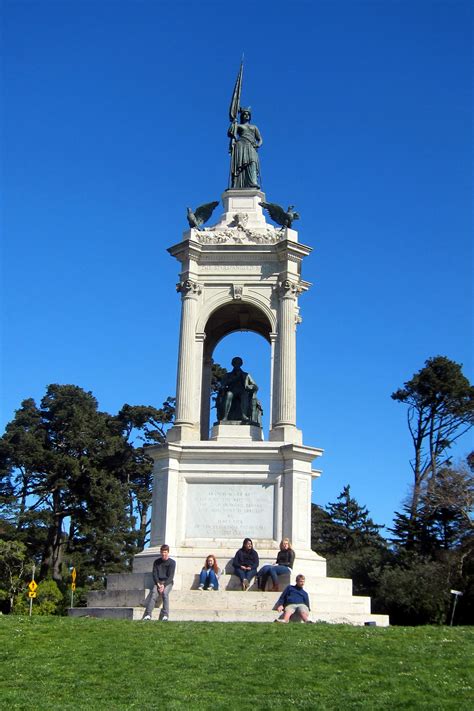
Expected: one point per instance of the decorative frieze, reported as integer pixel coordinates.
(238, 233)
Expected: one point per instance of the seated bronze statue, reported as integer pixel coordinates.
(236, 399)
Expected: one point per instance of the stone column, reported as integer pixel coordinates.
(185, 419)
(273, 392)
(206, 396)
(284, 391)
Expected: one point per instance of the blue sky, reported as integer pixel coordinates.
(115, 119)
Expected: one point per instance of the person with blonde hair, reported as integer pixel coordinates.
(210, 574)
(283, 566)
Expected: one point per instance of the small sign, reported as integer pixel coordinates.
(31, 594)
(73, 586)
(73, 575)
(32, 586)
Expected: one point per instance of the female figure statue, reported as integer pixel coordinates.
(246, 139)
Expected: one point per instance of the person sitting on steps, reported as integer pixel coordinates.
(283, 566)
(245, 563)
(163, 576)
(293, 599)
(210, 574)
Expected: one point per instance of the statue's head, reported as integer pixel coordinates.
(237, 362)
(245, 113)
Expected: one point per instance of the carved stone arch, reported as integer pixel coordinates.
(247, 315)
(228, 316)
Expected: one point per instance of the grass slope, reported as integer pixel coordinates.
(61, 663)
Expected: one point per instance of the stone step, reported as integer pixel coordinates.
(224, 600)
(314, 585)
(199, 615)
(190, 560)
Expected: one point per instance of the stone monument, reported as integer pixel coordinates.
(216, 483)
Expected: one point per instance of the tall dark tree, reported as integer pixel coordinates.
(349, 524)
(438, 542)
(440, 403)
(57, 461)
(345, 534)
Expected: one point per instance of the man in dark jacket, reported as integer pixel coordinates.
(163, 576)
(293, 599)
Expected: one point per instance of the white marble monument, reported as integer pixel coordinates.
(215, 486)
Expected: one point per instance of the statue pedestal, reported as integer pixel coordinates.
(211, 495)
(236, 432)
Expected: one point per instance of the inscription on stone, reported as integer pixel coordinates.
(230, 268)
(229, 510)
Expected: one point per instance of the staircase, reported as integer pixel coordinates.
(331, 601)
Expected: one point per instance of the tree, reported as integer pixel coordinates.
(415, 591)
(438, 542)
(350, 540)
(345, 525)
(13, 570)
(146, 425)
(58, 464)
(440, 403)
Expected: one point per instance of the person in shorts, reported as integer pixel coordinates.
(293, 599)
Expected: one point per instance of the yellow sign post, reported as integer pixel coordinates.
(32, 587)
(73, 585)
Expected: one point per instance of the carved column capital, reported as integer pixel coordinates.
(187, 287)
(287, 288)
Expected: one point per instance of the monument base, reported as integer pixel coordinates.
(236, 432)
(230, 488)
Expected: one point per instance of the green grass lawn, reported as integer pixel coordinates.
(84, 663)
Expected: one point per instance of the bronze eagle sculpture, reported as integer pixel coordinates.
(201, 214)
(278, 214)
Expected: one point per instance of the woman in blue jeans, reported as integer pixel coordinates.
(283, 566)
(245, 563)
(210, 574)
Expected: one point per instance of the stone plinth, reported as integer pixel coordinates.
(216, 493)
(236, 432)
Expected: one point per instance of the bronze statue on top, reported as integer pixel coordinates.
(244, 164)
(236, 399)
(245, 140)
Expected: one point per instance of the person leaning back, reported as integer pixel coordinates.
(293, 599)
(163, 576)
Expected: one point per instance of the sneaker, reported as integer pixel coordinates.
(211, 587)
(164, 618)
(201, 587)
(146, 617)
